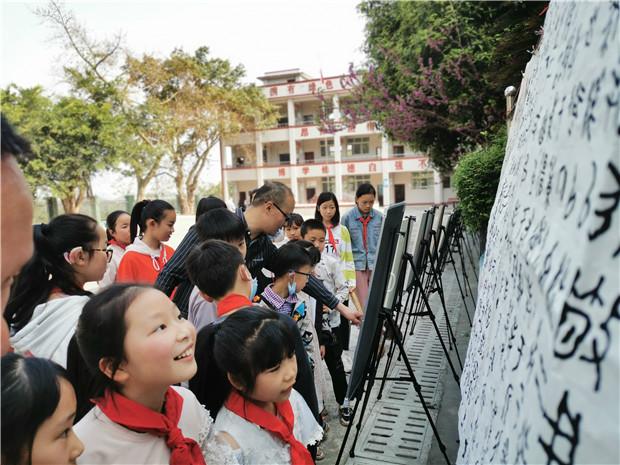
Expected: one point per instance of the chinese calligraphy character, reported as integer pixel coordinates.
(399, 165)
(325, 169)
(291, 89)
(370, 126)
(351, 168)
(351, 127)
(305, 170)
(372, 167)
(312, 87)
(281, 172)
(328, 84)
(273, 91)
(423, 163)
(304, 131)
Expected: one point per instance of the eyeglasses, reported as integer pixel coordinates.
(287, 216)
(108, 253)
(301, 273)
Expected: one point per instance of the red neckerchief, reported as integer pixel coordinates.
(281, 426)
(232, 302)
(119, 244)
(330, 237)
(137, 417)
(365, 222)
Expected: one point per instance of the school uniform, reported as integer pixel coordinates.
(141, 264)
(107, 441)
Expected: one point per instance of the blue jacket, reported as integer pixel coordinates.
(363, 260)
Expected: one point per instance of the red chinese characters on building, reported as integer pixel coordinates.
(281, 172)
(304, 132)
(372, 167)
(329, 84)
(291, 89)
(351, 168)
(273, 91)
(325, 169)
(398, 165)
(351, 127)
(305, 170)
(312, 87)
(423, 163)
(370, 126)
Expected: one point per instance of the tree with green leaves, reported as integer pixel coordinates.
(72, 139)
(437, 70)
(194, 100)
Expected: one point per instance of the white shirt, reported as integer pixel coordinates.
(106, 442)
(258, 446)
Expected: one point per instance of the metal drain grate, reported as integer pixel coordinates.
(396, 430)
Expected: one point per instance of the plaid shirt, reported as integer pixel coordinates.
(280, 304)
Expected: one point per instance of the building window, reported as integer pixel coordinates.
(264, 154)
(445, 180)
(308, 119)
(350, 185)
(283, 122)
(328, 185)
(285, 158)
(357, 146)
(309, 157)
(399, 150)
(327, 148)
(422, 180)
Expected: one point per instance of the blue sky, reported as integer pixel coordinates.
(262, 35)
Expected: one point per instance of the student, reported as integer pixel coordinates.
(216, 224)
(292, 226)
(338, 244)
(38, 406)
(263, 418)
(364, 224)
(329, 271)
(147, 255)
(119, 237)
(219, 270)
(48, 294)
(139, 416)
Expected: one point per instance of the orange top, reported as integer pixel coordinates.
(137, 267)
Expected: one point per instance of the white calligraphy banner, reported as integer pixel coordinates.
(541, 381)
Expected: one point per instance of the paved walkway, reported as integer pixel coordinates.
(395, 429)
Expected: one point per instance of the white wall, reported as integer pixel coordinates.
(541, 379)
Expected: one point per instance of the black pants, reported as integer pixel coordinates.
(344, 330)
(333, 360)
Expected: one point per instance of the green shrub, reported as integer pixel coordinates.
(476, 179)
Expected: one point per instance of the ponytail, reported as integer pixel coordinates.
(47, 268)
(146, 210)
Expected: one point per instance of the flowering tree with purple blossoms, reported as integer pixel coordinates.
(437, 70)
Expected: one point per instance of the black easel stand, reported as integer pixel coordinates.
(459, 248)
(449, 258)
(385, 316)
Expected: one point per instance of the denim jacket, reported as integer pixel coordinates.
(363, 260)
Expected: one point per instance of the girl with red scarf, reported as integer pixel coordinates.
(137, 345)
(256, 350)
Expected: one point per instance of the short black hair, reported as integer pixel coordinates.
(206, 204)
(212, 266)
(221, 224)
(293, 255)
(312, 224)
(326, 197)
(293, 219)
(12, 143)
(363, 189)
(30, 395)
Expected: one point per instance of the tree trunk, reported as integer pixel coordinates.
(73, 202)
(179, 182)
(142, 184)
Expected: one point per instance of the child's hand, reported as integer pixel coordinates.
(326, 309)
(322, 352)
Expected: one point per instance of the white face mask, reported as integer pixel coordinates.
(254, 288)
